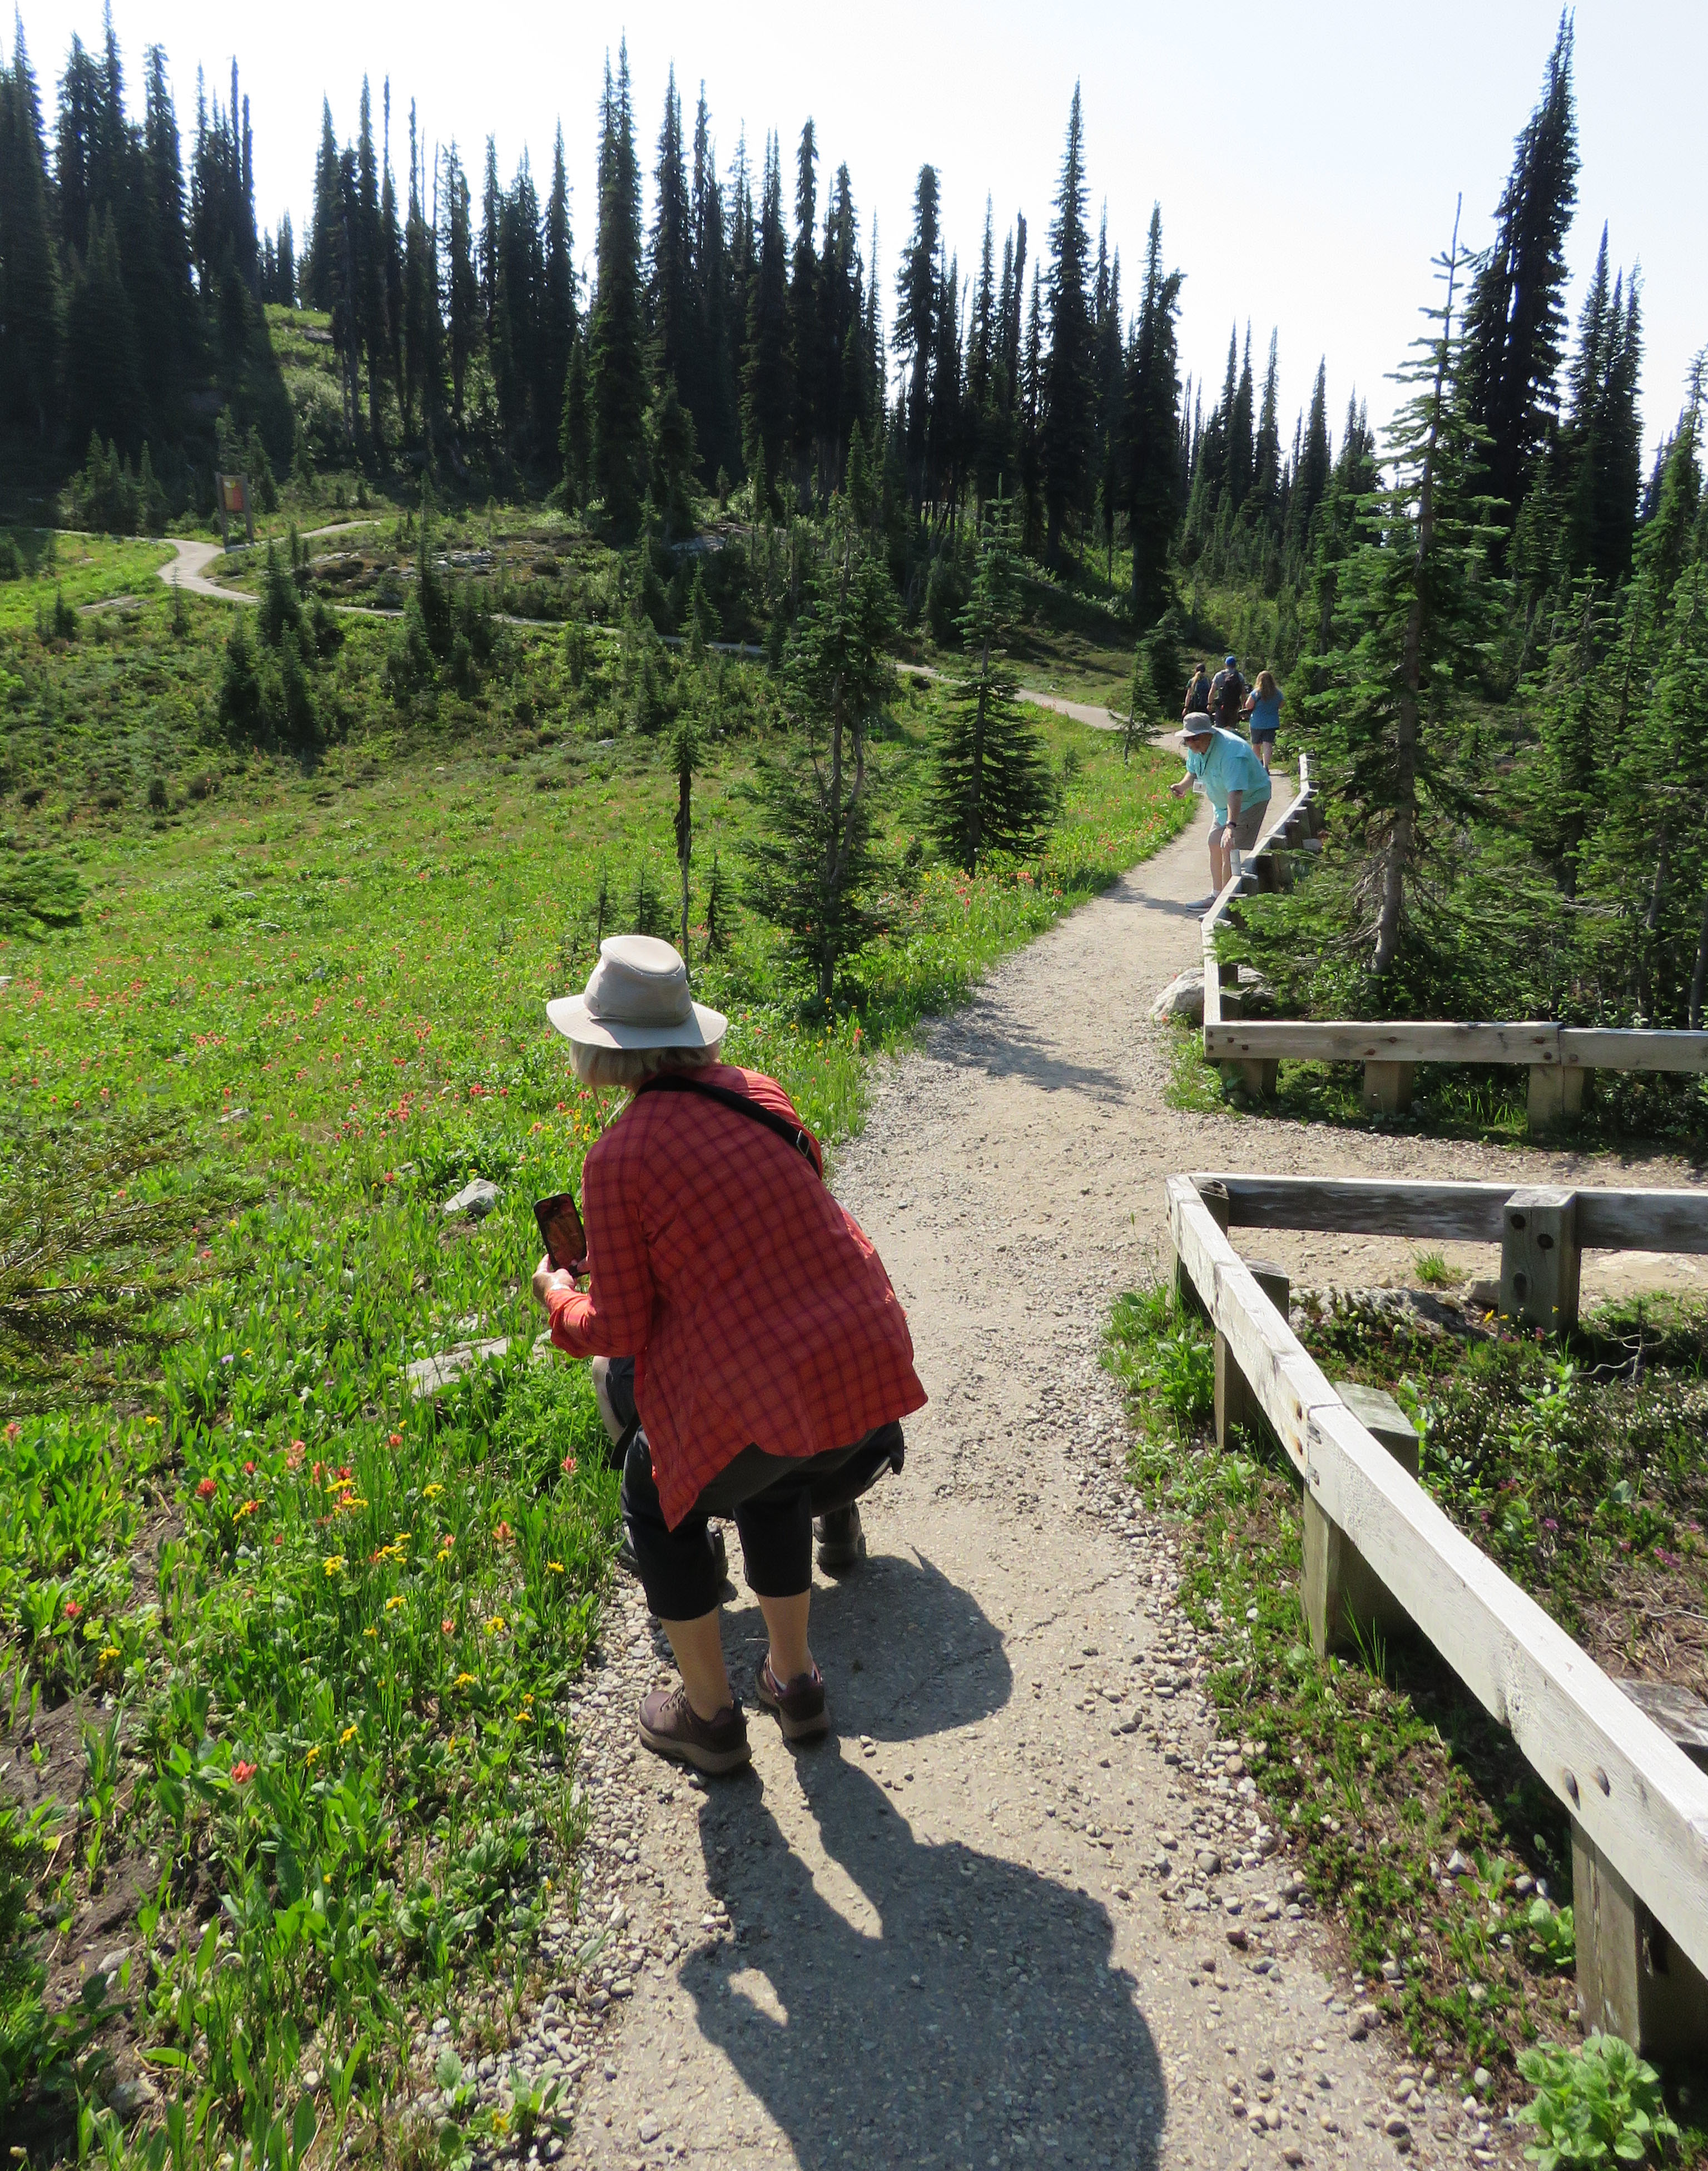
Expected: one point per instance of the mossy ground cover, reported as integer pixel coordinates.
(1378, 1767)
(284, 1646)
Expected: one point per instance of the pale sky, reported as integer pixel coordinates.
(1307, 157)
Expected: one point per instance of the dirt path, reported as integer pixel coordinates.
(939, 1939)
(188, 568)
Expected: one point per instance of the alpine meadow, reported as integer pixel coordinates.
(392, 609)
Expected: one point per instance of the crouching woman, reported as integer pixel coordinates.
(771, 1360)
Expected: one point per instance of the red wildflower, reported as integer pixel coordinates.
(568, 1466)
(503, 1534)
(243, 1773)
(72, 1610)
(447, 1627)
(394, 1439)
(248, 1469)
(206, 1489)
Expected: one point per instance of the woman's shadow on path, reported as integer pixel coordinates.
(920, 2002)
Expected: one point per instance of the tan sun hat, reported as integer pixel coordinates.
(637, 996)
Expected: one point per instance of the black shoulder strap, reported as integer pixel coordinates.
(677, 1081)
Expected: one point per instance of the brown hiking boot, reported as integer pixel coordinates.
(799, 1704)
(842, 1541)
(669, 1726)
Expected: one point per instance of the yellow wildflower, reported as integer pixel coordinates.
(432, 1492)
(494, 1627)
(333, 1562)
(464, 1682)
(393, 1604)
(348, 1734)
(371, 1632)
(111, 1652)
(556, 1566)
(313, 1754)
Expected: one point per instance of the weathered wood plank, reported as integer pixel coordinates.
(1591, 1048)
(1642, 1221)
(1472, 1213)
(1636, 1794)
(1347, 1206)
(1348, 1040)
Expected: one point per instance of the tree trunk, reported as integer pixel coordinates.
(1699, 979)
(1651, 921)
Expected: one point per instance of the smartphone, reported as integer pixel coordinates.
(561, 1231)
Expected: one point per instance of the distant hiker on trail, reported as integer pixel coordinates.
(1198, 701)
(1228, 690)
(771, 1362)
(1263, 707)
(1235, 783)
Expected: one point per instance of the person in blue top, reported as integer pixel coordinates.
(1263, 708)
(1235, 783)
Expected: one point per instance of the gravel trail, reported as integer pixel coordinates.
(942, 1937)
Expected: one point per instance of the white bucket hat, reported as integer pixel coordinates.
(637, 996)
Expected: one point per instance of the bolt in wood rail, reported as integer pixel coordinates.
(1560, 1058)
(1633, 1795)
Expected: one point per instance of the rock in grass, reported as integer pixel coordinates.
(1183, 998)
(428, 1374)
(476, 1199)
(129, 2099)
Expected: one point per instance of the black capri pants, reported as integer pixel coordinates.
(773, 1499)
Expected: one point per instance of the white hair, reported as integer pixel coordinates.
(605, 1068)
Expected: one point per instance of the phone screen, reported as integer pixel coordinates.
(561, 1231)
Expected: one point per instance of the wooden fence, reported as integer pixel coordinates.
(1560, 1058)
(1638, 1804)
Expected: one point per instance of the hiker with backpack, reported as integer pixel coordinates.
(1263, 713)
(1198, 701)
(1228, 692)
(772, 1363)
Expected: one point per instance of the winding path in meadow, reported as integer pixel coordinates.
(937, 1939)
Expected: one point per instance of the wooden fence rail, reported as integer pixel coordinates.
(1639, 1806)
(1560, 1058)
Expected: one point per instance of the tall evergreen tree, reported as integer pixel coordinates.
(766, 404)
(813, 871)
(462, 281)
(1152, 491)
(558, 309)
(1067, 418)
(1266, 457)
(1311, 473)
(616, 371)
(991, 788)
(673, 329)
(31, 307)
(1600, 446)
(709, 392)
(1515, 320)
(805, 328)
(917, 301)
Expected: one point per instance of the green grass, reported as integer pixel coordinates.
(84, 569)
(285, 1649)
(1377, 1766)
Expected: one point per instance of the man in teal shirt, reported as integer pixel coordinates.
(1235, 783)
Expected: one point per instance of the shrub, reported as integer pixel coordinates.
(157, 794)
(1593, 2102)
(11, 563)
(239, 703)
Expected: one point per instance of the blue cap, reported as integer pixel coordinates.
(1231, 661)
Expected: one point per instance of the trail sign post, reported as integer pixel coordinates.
(233, 491)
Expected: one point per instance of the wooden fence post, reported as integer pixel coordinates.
(1342, 1594)
(1632, 1980)
(1546, 1108)
(1540, 1258)
(1235, 1403)
(1388, 1088)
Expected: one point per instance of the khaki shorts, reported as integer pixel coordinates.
(1244, 833)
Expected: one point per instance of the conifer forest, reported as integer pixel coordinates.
(396, 603)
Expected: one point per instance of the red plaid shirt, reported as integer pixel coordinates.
(755, 1307)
